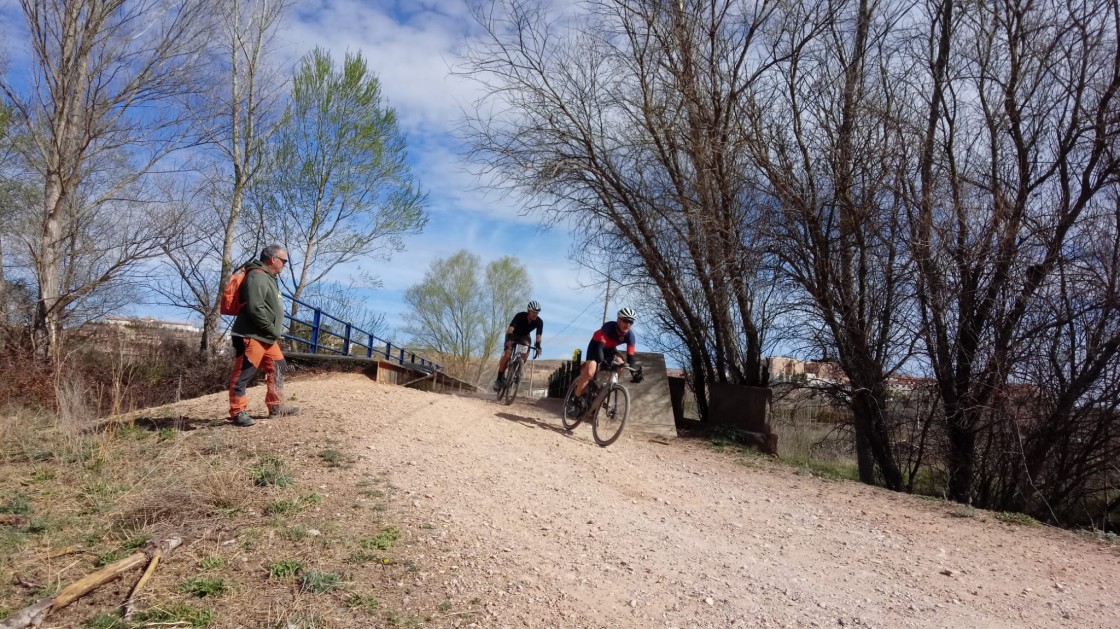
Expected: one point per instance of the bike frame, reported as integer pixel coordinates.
(614, 369)
(519, 354)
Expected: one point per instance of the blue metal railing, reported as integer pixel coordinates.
(350, 340)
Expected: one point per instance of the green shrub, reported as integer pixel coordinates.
(1021, 519)
(383, 540)
(284, 569)
(107, 621)
(366, 603)
(176, 615)
(294, 533)
(109, 557)
(271, 471)
(18, 504)
(282, 507)
(213, 562)
(334, 458)
(203, 587)
(319, 582)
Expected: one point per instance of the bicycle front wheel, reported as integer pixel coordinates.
(611, 418)
(513, 379)
(573, 410)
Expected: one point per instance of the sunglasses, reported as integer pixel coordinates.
(282, 260)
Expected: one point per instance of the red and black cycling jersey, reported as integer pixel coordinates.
(606, 340)
(523, 327)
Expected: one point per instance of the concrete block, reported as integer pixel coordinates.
(651, 406)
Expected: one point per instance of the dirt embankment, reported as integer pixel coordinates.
(549, 530)
(453, 511)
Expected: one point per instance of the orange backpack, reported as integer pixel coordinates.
(231, 294)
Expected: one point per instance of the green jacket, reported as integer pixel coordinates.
(262, 315)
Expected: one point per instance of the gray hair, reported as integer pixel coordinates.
(270, 252)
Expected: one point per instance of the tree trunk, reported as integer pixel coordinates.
(873, 444)
(962, 445)
(5, 313)
(47, 317)
(699, 385)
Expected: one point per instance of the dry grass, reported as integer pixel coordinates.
(94, 492)
(198, 495)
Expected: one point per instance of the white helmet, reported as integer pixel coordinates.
(627, 314)
(535, 305)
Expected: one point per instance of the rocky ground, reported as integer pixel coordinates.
(548, 530)
(438, 510)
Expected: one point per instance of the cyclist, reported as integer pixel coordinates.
(520, 330)
(604, 347)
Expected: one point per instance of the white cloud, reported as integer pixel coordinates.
(411, 58)
(412, 46)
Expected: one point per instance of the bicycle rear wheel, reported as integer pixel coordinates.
(513, 379)
(573, 410)
(611, 418)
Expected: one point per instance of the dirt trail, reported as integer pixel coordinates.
(550, 530)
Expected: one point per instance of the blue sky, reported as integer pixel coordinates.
(412, 46)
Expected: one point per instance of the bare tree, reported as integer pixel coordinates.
(9, 193)
(827, 145)
(623, 118)
(1020, 138)
(104, 108)
(1054, 435)
(243, 112)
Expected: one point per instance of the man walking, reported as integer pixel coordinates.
(256, 337)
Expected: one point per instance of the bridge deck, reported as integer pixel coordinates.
(383, 371)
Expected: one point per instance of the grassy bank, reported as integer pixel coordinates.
(260, 535)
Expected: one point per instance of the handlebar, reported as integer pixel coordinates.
(635, 372)
(536, 349)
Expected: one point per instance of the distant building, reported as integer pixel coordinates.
(139, 336)
(149, 322)
(784, 369)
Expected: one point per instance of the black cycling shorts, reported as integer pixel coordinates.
(599, 353)
(525, 339)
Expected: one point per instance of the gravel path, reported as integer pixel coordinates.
(549, 530)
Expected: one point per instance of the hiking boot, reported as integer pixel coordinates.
(499, 383)
(243, 419)
(283, 411)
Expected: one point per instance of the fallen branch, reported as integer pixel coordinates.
(34, 615)
(31, 585)
(8, 519)
(169, 545)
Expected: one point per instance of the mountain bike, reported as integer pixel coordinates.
(514, 369)
(606, 406)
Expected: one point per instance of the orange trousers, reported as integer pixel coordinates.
(253, 356)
